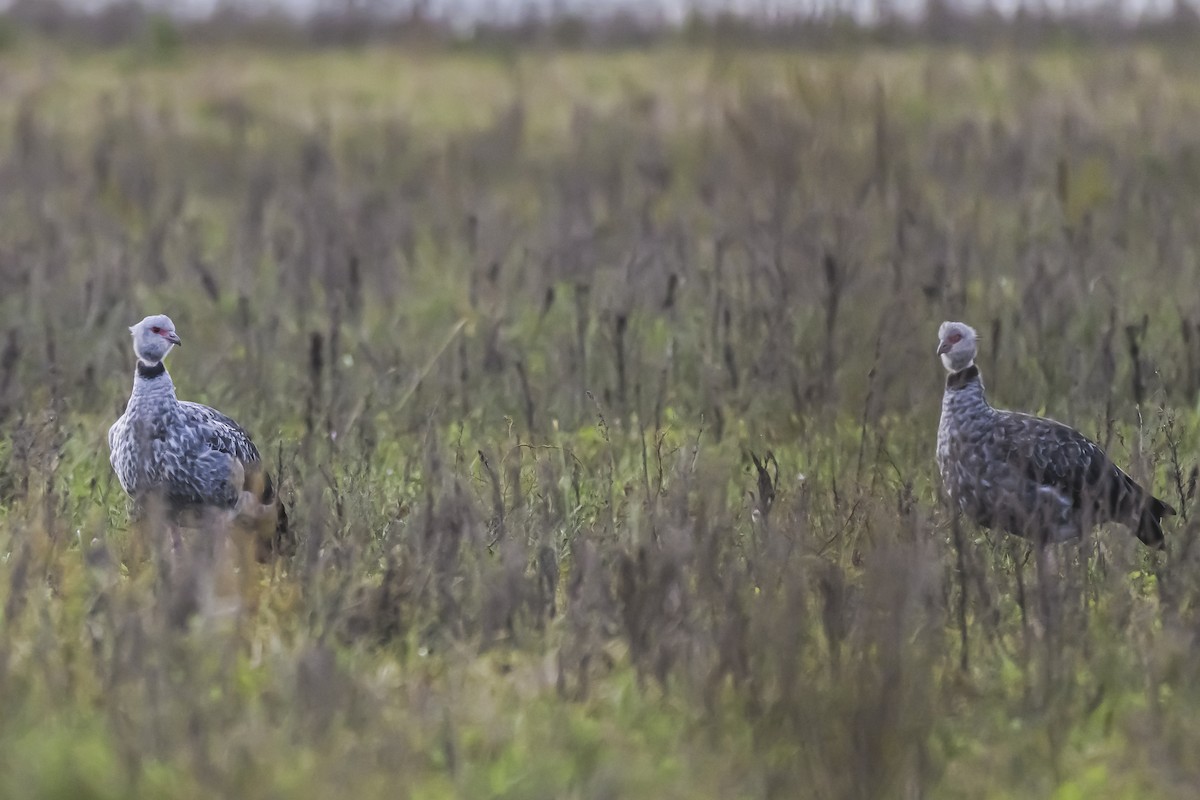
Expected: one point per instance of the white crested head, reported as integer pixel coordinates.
(153, 338)
(956, 345)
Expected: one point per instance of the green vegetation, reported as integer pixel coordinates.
(602, 392)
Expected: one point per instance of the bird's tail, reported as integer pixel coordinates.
(1149, 525)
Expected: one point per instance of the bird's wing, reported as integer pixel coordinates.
(1060, 457)
(219, 432)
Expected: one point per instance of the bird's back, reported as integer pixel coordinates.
(1058, 457)
(218, 432)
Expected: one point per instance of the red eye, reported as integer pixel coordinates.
(954, 338)
(156, 329)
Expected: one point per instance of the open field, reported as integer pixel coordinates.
(514, 331)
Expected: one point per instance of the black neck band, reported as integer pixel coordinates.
(150, 370)
(958, 380)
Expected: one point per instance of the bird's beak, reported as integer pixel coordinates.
(944, 348)
(173, 338)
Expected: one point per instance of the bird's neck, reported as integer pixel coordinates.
(963, 379)
(150, 371)
(964, 393)
(152, 383)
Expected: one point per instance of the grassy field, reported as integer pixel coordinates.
(602, 392)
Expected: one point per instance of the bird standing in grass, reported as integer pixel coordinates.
(188, 456)
(1028, 475)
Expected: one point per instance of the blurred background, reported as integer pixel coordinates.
(608, 22)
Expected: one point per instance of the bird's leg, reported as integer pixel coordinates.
(174, 554)
(220, 591)
(1047, 573)
(237, 568)
(1043, 579)
(1020, 563)
(956, 526)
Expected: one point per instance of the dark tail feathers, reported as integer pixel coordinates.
(1149, 527)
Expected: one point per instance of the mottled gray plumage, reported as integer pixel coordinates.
(192, 455)
(1028, 475)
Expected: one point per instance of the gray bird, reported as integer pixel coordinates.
(1028, 475)
(190, 455)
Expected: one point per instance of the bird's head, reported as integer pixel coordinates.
(153, 338)
(956, 345)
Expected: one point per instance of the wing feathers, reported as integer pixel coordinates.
(1053, 454)
(221, 433)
